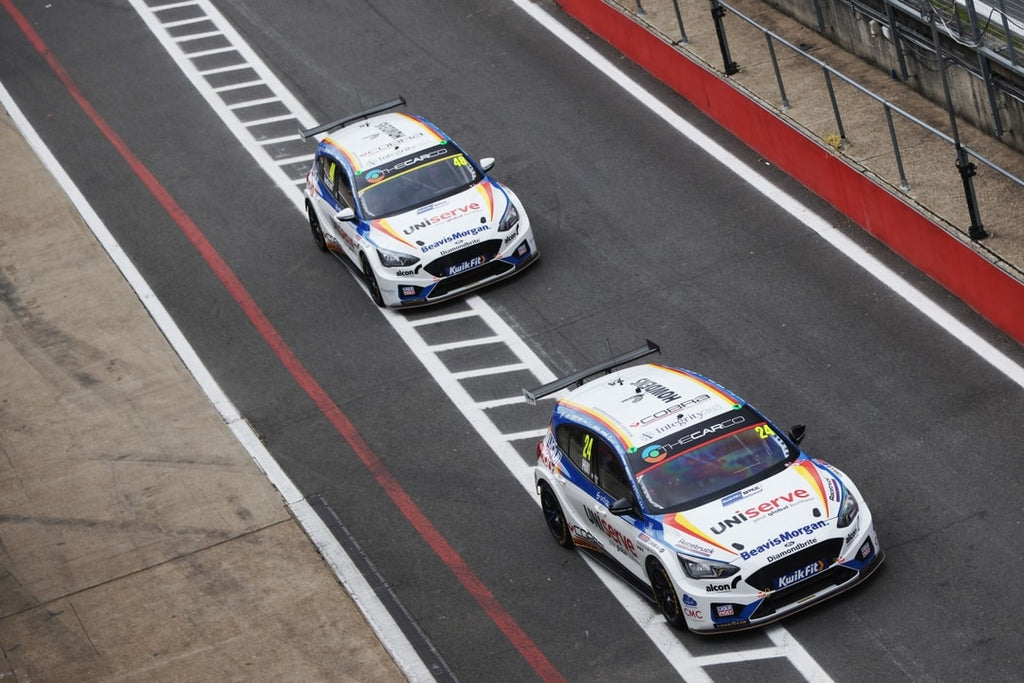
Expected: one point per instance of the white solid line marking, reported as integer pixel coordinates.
(493, 370)
(173, 5)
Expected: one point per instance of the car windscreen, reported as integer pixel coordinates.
(413, 181)
(708, 460)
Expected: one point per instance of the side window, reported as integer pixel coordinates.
(611, 474)
(333, 177)
(596, 459)
(342, 191)
(577, 443)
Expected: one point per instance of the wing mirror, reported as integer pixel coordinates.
(346, 214)
(797, 433)
(486, 164)
(622, 506)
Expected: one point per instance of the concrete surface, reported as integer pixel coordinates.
(138, 539)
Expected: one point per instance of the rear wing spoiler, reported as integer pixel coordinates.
(310, 132)
(578, 378)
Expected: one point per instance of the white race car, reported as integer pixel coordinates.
(700, 502)
(418, 218)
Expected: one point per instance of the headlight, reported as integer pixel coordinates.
(848, 511)
(707, 569)
(510, 219)
(393, 259)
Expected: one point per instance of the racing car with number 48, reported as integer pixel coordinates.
(418, 218)
(696, 498)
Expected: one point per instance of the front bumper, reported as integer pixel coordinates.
(721, 608)
(408, 289)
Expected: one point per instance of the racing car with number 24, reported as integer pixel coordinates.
(696, 498)
(418, 218)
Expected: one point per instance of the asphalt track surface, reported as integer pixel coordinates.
(643, 235)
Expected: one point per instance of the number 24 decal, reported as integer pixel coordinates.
(764, 431)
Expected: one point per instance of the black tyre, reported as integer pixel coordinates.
(314, 225)
(371, 282)
(665, 595)
(554, 517)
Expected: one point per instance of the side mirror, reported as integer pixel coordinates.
(486, 164)
(797, 433)
(346, 214)
(622, 506)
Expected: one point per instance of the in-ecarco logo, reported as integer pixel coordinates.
(766, 507)
(799, 575)
(443, 216)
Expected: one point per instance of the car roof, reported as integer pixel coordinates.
(380, 139)
(639, 404)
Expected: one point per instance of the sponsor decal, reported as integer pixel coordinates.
(687, 544)
(454, 237)
(768, 507)
(656, 390)
(799, 575)
(717, 587)
(514, 235)
(791, 550)
(442, 217)
(740, 495)
(544, 453)
(739, 623)
(682, 419)
(466, 265)
(832, 489)
(681, 523)
(584, 539)
(654, 453)
(693, 613)
(670, 410)
(430, 154)
(710, 429)
(725, 611)
(430, 207)
(785, 539)
(404, 272)
(853, 534)
(374, 176)
(621, 542)
(687, 600)
(389, 129)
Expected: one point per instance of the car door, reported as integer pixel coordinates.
(340, 235)
(605, 481)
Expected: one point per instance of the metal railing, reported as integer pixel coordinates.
(966, 158)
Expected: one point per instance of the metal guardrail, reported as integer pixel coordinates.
(967, 158)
